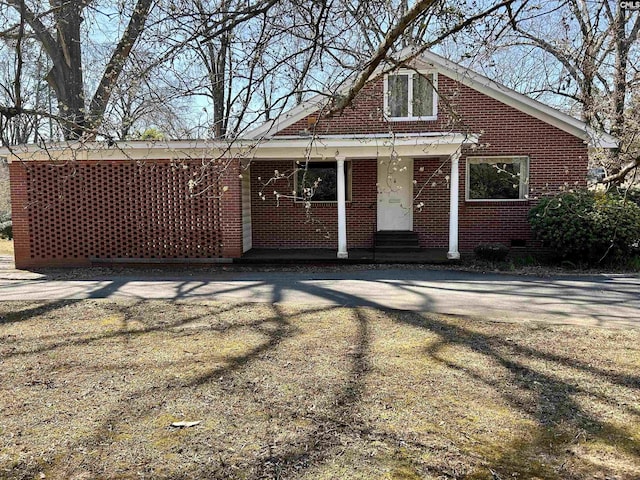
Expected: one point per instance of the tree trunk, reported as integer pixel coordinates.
(66, 75)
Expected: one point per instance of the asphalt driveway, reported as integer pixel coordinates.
(606, 300)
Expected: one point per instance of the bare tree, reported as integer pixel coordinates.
(595, 49)
(22, 82)
(57, 27)
(245, 62)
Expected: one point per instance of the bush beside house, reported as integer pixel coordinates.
(587, 227)
(6, 230)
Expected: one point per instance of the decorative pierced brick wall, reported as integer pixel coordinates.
(69, 214)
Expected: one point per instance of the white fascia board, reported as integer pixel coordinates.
(372, 146)
(327, 148)
(127, 150)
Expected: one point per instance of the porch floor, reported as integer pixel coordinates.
(356, 255)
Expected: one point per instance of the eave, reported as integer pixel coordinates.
(297, 148)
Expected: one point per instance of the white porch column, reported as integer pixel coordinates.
(453, 253)
(342, 210)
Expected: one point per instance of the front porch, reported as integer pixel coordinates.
(371, 188)
(356, 255)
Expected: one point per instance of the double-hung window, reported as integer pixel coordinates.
(318, 182)
(410, 95)
(497, 178)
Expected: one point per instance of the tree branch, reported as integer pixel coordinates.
(392, 36)
(623, 172)
(48, 42)
(117, 61)
(227, 25)
(380, 54)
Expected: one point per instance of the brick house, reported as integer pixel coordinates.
(436, 150)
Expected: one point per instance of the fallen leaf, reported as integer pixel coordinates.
(185, 424)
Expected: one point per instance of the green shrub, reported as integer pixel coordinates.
(630, 194)
(633, 263)
(6, 230)
(526, 261)
(493, 252)
(585, 226)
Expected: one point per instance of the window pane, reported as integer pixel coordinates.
(422, 96)
(497, 180)
(398, 95)
(322, 179)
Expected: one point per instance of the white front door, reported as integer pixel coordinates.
(395, 194)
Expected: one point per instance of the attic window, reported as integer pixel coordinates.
(410, 95)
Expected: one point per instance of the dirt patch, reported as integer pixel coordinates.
(90, 389)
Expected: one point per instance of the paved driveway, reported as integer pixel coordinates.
(608, 300)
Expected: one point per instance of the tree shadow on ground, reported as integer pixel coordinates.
(319, 442)
(123, 332)
(558, 415)
(275, 329)
(554, 405)
(283, 461)
(32, 312)
(560, 418)
(325, 440)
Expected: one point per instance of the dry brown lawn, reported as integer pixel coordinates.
(6, 247)
(89, 390)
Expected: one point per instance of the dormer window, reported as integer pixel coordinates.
(410, 95)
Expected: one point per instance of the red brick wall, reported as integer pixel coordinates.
(20, 211)
(230, 206)
(67, 214)
(288, 226)
(431, 222)
(557, 159)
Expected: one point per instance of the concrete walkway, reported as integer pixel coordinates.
(606, 300)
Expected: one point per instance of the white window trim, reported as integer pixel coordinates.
(524, 177)
(411, 73)
(348, 173)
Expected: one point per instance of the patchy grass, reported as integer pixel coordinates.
(6, 247)
(89, 390)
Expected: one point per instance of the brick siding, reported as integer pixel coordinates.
(289, 226)
(557, 160)
(69, 214)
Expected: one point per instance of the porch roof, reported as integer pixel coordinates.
(291, 147)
